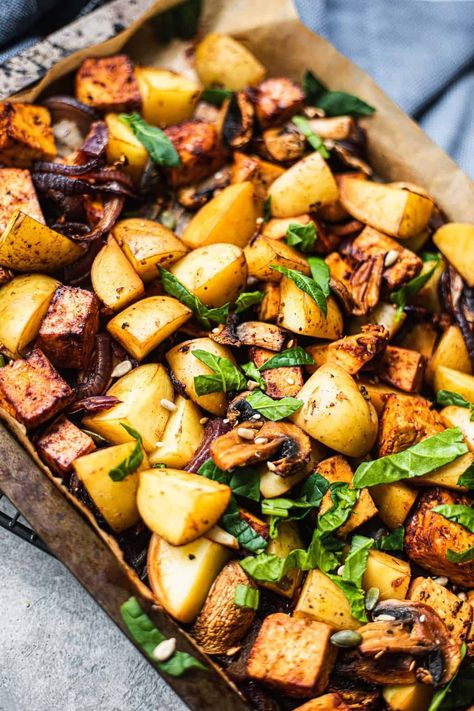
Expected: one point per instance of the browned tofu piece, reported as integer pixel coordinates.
(61, 444)
(25, 134)
(270, 305)
(17, 192)
(68, 330)
(405, 421)
(293, 655)
(32, 391)
(280, 382)
(276, 100)
(456, 614)
(337, 469)
(402, 368)
(351, 352)
(259, 172)
(428, 537)
(200, 152)
(328, 702)
(262, 335)
(371, 243)
(108, 83)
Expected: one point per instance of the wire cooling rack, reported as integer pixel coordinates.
(12, 521)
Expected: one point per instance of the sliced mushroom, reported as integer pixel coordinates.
(221, 624)
(263, 335)
(284, 144)
(387, 669)
(237, 120)
(195, 196)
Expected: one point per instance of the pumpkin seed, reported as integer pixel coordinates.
(346, 638)
(371, 598)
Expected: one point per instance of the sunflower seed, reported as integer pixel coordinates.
(346, 638)
(246, 433)
(384, 618)
(121, 369)
(168, 404)
(390, 258)
(164, 650)
(441, 580)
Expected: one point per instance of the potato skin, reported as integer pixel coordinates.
(222, 60)
(108, 83)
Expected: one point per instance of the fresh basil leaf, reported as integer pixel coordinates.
(131, 463)
(344, 500)
(463, 557)
(333, 103)
(424, 457)
(173, 287)
(244, 481)
(273, 409)
(311, 494)
(467, 478)
(393, 541)
(216, 96)
(321, 555)
(461, 694)
(159, 147)
(247, 597)
(315, 141)
(247, 537)
(252, 372)
(147, 636)
(271, 568)
(301, 236)
(227, 378)
(314, 488)
(288, 358)
(355, 562)
(320, 273)
(447, 397)
(267, 209)
(457, 513)
(355, 596)
(306, 284)
(246, 300)
(403, 295)
(441, 698)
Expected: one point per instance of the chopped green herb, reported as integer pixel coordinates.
(355, 596)
(301, 236)
(159, 147)
(288, 358)
(173, 287)
(247, 597)
(467, 478)
(333, 103)
(134, 459)
(306, 284)
(253, 373)
(273, 409)
(393, 541)
(227, 377)
(246, 300)
(447, 397)
(233, 523)
(313, 139)
(267, 209)
(356, 560)
(402, 296)
(216, 96)
(244, 481)
(457, 513)
(462, 557)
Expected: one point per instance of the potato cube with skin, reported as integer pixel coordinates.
(455, 241)
(280, 382)
(454, 416)
(113, 278)
(121, 143)
(61, 444)
(402, 368)
(394, 502)
(408, 697)
(32, 390)
(18, 193)
(108, 83)
(288, 539)
(455, 381)
(68, 330)
(292, 655)
(25, 134)
(324, 601)
(337, 469)
(262, 253)
(224, 61)
(300, 314)
(387, 573)
(200, 152)
(183, 435)
(406, 421)
(456, 614)
(450, 352)
(328, 702)
(167, 97)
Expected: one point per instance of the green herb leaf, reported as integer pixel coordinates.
(131, 463)
(311, 497)
(320, 273)
(271, 568)
(355, 562)
(447, 397)
(173, 287)
(159, 147)
(243, 482)
(315, 141)
(467, 478)
(252, 372)
(442, 695)
(147, 636)
(306, 284)
(393, 541)
(246, 300)
(403, 295)
(247, 536)
(355, 596)
(214, 95)
(273, 409)
(463, 557)
(267, 209)
(301, 236)
(344, 500)
(227, 378)
(158, 465)
(334, 103)
(424, 457)
(288, 358)
(247, 597)
(457, 513)
(2, 360)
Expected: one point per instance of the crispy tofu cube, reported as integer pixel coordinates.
(68, 330)
(200, 152)
(406, 421)
(371, 243)
(351, 352)
(25, 134)
(270, 305)
(17, 193)
(328, 702)
(276, 100)
(337, 469)
(108, 83)
(293, 655)
(280, 382)
(32, 391)
(429, 536)
(402, 368)
(61, 444)
(456, 614)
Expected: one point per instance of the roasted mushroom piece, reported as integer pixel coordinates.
(237, 120)
(262, 335)
(283, 144)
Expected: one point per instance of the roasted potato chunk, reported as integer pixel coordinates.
(25, 134)
(450, 352)
(61, 444)
(223, 61)
(456, 614)
(259, 172)
(455, 241)
(394, 502)
(200, 152)
(32, 391)
(389, 574)
(18, 193)
(276, 100)
(108, 83)
(371, 243)
(428, 537)
(280, 382)
(68, 330)
(404, 422)
(322, 600)
(262, 253)
(328, 702)
(167, 97)
(351, 352)
(402, 368)
(292, 655)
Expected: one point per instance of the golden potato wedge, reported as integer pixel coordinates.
(180, 506)
(229, 217)
(223, 61)
(300, 314)
(323, 600)
(393, 502)
(23, 303)
(397, 212)
(181, 576)
(262, 253)
(116, 500)
(140, 392)
(455, 381)
(331, 399)
(122, 142)
(447, 476)
(167, 97)
(387, 573)
(288, 540)
(454, 416)
(114, 280)
(186, 367)
(142, 326)
(29, 246)
(408, 697)
(215, 274)
(456, 242)
(147, 245)
(450, 352)
(182, 436)
(304, 187)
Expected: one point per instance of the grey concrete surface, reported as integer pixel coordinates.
(58, 650)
